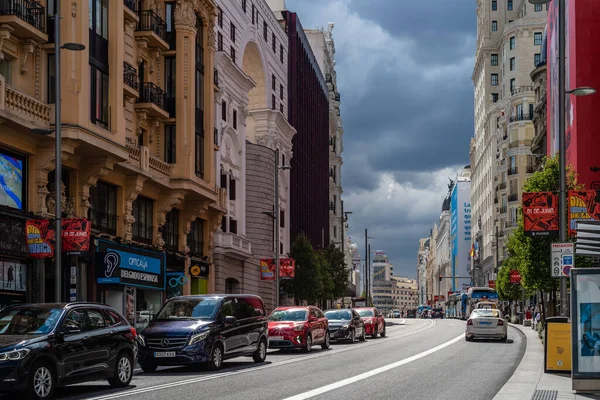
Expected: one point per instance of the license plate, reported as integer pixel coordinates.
(275, 337)
(485, 323)
(163, 354)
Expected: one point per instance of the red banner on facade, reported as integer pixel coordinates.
(76, 236)
(515, 276)
(39, 238)
(436, 298)
(492, 284)
(584, 205)
(540, 214)
(287, 269)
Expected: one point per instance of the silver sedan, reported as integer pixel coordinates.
(486, 323)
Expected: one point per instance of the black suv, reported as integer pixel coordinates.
(205, 329)
(43, 346)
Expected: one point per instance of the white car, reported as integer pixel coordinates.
(486, 323)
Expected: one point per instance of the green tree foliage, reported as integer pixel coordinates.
(505, 289)
(324, 272)
(307, 283)
(339, 271)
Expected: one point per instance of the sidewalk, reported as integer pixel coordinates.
(529, 382)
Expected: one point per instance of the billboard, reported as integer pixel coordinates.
(11, 181)
(287, 269)
(581, 116)
(460, 234)
(585, 322)
(584, 205)
(540, 214)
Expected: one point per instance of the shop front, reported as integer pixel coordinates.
(130, 279)
(199, 271)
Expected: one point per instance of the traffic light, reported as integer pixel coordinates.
(440, 277)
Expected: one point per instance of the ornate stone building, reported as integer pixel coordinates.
(138, 149)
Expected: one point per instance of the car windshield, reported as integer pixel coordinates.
(338, 315)
(366, 313)
(288, 315)
(196, 308)
(486, 313)
(28, 321)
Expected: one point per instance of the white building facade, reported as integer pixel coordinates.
(442, 255)
(422, 260)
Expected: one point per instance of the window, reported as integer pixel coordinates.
(96, 319)
(273, 82)
(509, 5)
(494, 26)
(530, 110)
(99, 96)
(98, 27)
(103, 210)
(520, 111)
(233, 226)
(220, 17)
(512, 64)
(142, 210)
(224, 110)
(512, 43)
(494, 59)
(170, 74)
(538, 7)
(112, 318)
(232, 185)
(244, 6)
(170, 28)
(274, 44)
(265, 31)
(536, 59)
(494, 5)
(253, 12)
(219, 41)
(495, 97)
(234, 119)
(281, 107)
(494, 79)
(170, 141)
(170, 230)
(232, 32)
(281, 91)
(537, 38)
(199, 100)
(273, 102)
(51, 76)
(281, 53)
(77, 319)
(195, 238)
(512, 85)
(282, 219)
(232, 54)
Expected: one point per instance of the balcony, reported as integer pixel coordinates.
(502, 186)
(103, 222)
(130, 11)
(521, 117)
(142, 233)
(233, 245)
(502, 210)
(337, 97)
(130, 79)
(152, 100)
(152, 28)
(530, 169)
(513, 197)
(521, 89)
(26, 17)
(513, 171)
(510, 224)
(139, 156)
(22, 108)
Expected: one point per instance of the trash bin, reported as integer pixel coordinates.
(557, 344)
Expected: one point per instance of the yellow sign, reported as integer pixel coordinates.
(558, 347)
(195, 270)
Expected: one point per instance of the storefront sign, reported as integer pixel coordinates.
(40, 239)
(540, 214)
(287, 269)
(199, 269)
(76, 236)
(584, 205)
(118, 264)
(585, 323)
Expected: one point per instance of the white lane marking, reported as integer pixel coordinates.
(246, 370)
(377, 371)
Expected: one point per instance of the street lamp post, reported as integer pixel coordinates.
(277, 169)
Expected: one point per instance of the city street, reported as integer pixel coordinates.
(419, 359)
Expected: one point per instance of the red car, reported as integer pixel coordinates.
(373, 319)
(298, 327)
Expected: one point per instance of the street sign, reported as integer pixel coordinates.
(562, 258)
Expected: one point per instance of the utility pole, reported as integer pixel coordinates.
(366, 269)
(277, 223)
(58, 157)
(496, 268)
(369, 296)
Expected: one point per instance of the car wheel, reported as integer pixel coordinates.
(504, 338)
(216, 357)
(41, 382)
(148, 367)
(325, 345)
(352, 337)
(374, 335)
(308, 346)
(468, 339)
(363, 337)
(260, 355)
(123, 371)
(383, 332)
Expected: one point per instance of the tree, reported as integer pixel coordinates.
(506, 290)
(307, 283)
(327, 284)
(340, 273)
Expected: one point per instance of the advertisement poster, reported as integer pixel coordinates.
(584, 205)
(460, 233)
(11, 181)
(558, 348)
(287, 269)
(540, 214)
(13, 276)
(39, 238)
(76, 236)
(130, 304)
(586, 317)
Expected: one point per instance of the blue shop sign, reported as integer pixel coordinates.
(124, 265)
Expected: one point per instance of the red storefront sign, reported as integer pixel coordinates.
(540, 214)
(39, 238)
(76, 236)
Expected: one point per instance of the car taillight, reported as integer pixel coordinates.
(469, 322)
(500, 322)
(133, 331)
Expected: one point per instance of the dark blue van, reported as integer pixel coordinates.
(205, 329)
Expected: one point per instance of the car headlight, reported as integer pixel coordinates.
(141, 340)
(14, 355)
(199, 337)
(299, 327)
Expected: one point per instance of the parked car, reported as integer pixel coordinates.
(298, 327)
(345, 324)
(373, 319)
(396, 314)
(43, 346)
(205, 329)
(412, 313)
(486, 323)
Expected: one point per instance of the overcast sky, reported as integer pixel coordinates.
(404, 74)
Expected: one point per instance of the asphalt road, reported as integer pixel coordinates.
(419, 359)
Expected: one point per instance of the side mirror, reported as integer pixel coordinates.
(229, 320)
(70, 330)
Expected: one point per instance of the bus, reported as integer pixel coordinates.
(479, 294)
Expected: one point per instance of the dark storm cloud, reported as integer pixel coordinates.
(404, 73)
